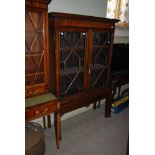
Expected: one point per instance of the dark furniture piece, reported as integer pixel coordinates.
(127, 148)
(39, 102)
(120, 72)
(80, 52)
(120, 57)
(120, 67)
(36, 47)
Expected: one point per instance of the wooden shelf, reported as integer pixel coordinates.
(33, 54)
(72, 70)
(99, 46)
(32, 74)
(71, 48)
(97, 67)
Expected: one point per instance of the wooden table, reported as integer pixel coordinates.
(43, 105)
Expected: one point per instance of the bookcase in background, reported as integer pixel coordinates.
(36, 47)
(39, 101)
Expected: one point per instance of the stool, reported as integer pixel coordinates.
(34, 139)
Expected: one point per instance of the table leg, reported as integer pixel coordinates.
(44, 122)
(57, 125)
(49, 121)
(108, 105)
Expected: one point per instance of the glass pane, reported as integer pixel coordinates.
(34, 48)
(100, 60)
(72, 53)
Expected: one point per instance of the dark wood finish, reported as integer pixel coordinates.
(44, 122)
(119, 80)
(72, 50)
(57, 124)
(120, 68)
(49, 121)
(127, 148)
(37, 64)
(45, 109)
(96, 105)
(36, 47)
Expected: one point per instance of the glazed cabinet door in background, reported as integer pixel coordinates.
(99, 67)
(72, 51)
(36, 64)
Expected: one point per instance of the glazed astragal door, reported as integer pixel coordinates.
(34, 48)
(72, 47)
(35, 51)
(99, 65)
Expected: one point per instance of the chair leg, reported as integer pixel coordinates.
(57, 126)
(44, 122)
(127, 149)
(94, 106)
(49, 121)
(119, 91)
(99, 104)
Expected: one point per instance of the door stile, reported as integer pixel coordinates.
(86, 71)
(110, 57)
(90, 57)
(57, 56)
(46, 45)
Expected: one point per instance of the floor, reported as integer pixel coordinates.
(90, 133)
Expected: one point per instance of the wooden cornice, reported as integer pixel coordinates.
(71, 17)
(82, 21)
(40, 1)
(42, 4)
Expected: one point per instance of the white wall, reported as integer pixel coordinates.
(121, 35)
(88, 7)
(83, 7)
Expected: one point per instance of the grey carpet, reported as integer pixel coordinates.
(90, 133)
